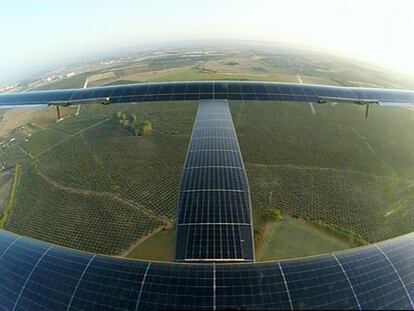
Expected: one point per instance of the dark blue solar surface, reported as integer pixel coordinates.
(232, 90)
(319, 282)
(38, 276)
(374, 279)
(215, 223)
(259, 286)
(214, 213)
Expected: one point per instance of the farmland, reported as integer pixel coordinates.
(236, 63)
(6, 184)
(106, 188)
(292, 238)
(109, 189)
(334, 166)
(88, 182)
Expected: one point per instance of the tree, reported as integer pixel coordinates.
(147, 128)
(274, 215)
(123, 123)
(134, 119)
(124, 116)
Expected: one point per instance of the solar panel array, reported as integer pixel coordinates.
(231, 90)
(38, 276)
(214, 220)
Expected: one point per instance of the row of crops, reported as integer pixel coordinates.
(103, 189)
(145, 170)
(333, 166)
(90, 222)
(376, 208)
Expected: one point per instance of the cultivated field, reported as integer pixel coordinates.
(101, 188)
(334, 165)
(265, 64)
(109, 189)
(88, 183)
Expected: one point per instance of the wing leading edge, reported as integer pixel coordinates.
(231, 90)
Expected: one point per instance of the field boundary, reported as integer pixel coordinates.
(12, 197)
(328, 169)
(69, 137)
(133, 246)
(97, 193)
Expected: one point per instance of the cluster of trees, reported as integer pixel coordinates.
(131, 124)
(274, 215)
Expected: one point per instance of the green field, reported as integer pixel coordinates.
(14, 154)
(85, 220)
(90, 184)
(75, 82)
(43, 139)
(102, 188)
(159, 247)
(6, 181)
(293, 238)
(239, 64)
(74, 124)
(334, 166)
(309, 166)
(7, 208)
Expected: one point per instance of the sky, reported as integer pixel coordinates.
(36, 34)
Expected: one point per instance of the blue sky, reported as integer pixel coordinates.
(38, 33)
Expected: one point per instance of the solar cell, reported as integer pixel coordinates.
(38, 276)
(184, 287)
(319, 282)
(369, 271)
(259, 288)
(106, 280)
(213, 207)
(53, 281)
(17, 264)
(213, 224)
(214, 216)
(233, 90)
(213, 157)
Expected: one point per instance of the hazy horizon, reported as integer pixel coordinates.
(45, 34)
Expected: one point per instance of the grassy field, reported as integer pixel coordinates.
(159, 247)
(293, 238)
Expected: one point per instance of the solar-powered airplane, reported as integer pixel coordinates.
(215, 266)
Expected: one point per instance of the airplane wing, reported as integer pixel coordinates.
(231, 90)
